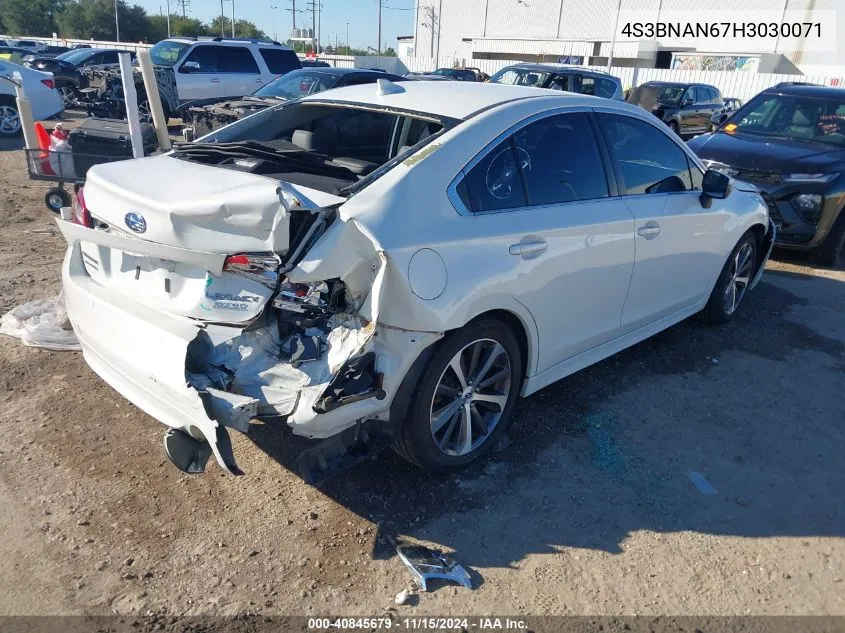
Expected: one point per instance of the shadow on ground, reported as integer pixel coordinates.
(754, 406)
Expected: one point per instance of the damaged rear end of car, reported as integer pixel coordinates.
(211, 297)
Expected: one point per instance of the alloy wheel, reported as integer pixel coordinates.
(10, 122)
(67, 94)
(739, 277)
(470, 397)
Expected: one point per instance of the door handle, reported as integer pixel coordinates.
(215, 81)
(527, 248)
(649, 231)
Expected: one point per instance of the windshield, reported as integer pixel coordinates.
(446, 72)
(820, 120)
(296, 84)
(167, 53)
(520, 77)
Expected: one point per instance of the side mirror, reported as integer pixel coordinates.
(189, 67)
(714, 185)
(722, 118)
(686, 101)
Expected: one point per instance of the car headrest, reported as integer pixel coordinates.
(799, 118)
(303, 139)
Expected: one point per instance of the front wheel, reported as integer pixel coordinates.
(463, 402)
(733, 282)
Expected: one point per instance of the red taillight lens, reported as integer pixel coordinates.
(49, 83)
(80, 214)
(260, 267)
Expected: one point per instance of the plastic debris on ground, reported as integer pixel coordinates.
(41, 323)
(429, 564)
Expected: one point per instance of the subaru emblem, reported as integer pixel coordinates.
(135, 222)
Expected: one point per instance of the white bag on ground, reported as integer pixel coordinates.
(41, 323)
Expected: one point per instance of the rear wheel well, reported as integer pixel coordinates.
(8, 99)
(513, 322)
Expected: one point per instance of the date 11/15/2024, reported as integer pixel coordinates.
(419, 623)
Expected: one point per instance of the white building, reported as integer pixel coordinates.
(573, 30)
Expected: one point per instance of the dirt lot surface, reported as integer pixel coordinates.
(587, 508)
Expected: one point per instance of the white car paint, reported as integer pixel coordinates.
(415, 266)
(46, 102)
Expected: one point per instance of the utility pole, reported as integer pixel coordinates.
(347, 39)
(380, 4)
(315, 7)
(431, 23)
(233, 19)
(222, 20)
(319, 25)
(168, 18)
(275, 36)
(184, 4)
(613, 36)
(116, 23)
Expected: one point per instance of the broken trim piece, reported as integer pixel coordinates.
(428, 564)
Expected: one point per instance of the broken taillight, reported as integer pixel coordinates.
(260, 267)
(79, 214)
(49, 83)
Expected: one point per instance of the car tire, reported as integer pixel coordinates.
(57, 198)
(438, 445)
(733, 282)
(10, 120)
(832, 252)
(68, 94)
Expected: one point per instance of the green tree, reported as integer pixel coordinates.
(243, 28)
(29, 17)
(157, 29)
(94, 19)
(389, 52)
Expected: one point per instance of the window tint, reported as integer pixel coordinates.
(560, 160)
(646, 159)
(715, 95)
(109, 57)
(237, 60)
(206, 57)
(466, 75)
(280, 60)
(606, 88)
(702, 95)
(495, 183)
(689, 95)
(588, 85)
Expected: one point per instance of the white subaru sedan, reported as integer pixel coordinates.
(395, 265)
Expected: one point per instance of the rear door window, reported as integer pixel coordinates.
(605, 88)
(238, 60)
(560, 160)
(280, 60)
(646, 160)
(588, 85)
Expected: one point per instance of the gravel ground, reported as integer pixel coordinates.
(588, 506)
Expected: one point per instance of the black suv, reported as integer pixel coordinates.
(790, 141)
(686, 108)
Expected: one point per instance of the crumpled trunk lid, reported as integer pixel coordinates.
(196, 212)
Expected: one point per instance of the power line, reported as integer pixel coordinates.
(184, 4)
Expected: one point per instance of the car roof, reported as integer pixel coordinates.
(226, 41)
(453, 99)
(807, 91)
(563, 68)
(678, 84)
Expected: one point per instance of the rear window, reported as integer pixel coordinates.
(297, 84)
(521, 77)
(280, 60)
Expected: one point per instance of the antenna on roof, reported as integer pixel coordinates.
(387, 87)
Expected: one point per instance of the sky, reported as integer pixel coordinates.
(362, 15)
